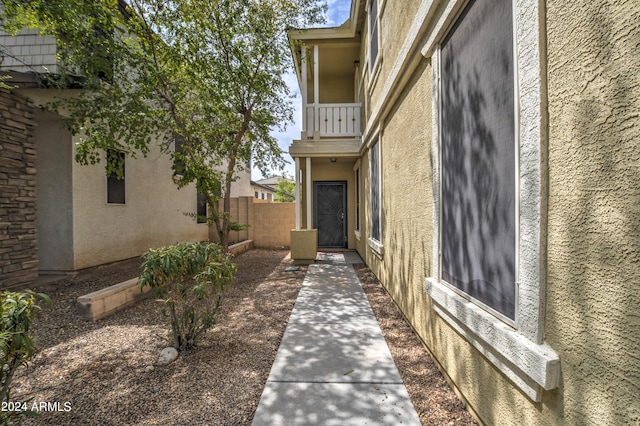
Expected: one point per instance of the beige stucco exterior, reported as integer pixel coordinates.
(579, 97)
(77, 228)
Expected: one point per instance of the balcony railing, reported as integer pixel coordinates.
(333, 120)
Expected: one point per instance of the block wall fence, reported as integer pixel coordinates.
(270, 223)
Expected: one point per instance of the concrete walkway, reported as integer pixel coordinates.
(333, 366)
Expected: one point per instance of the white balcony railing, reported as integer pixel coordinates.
(333, 120)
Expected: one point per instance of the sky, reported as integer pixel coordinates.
(337, 13)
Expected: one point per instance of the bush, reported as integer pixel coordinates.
(187, 279)
(16, 343)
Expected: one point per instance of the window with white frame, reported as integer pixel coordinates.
(375, 231)
(488, 281)
(357, 225)
(478, 156)
(374, 40)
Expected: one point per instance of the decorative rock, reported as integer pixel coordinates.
(149, 368)
(167, 356)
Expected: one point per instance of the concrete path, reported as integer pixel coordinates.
(333, 366)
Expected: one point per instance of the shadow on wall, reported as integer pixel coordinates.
(478, 158)
(593, 312)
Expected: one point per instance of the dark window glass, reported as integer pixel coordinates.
(375, 191)
(115, 180)
(478, 155)
(373, 33)
(178, 161)
(357, 199)
(202, 208)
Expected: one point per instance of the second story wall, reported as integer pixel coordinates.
(28, 52)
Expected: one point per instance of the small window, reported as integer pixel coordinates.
(178, 160)
(257, 194)
(202, 207)
(262, 195)
(115, 177)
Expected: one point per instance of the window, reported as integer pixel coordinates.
(201, 199)
(373, 34)
(375, 236)
(256, 192)
(115, 177)
(488, 233)
(178, 160)
(358, 199)
(478, 156)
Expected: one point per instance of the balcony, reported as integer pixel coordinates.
(333, 120)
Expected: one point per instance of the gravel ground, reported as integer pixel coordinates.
(106, 370)
(433, 398)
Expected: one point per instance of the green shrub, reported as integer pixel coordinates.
(187, 279)
(16, 343)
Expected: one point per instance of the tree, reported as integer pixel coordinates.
(285, 191)
(209, 72)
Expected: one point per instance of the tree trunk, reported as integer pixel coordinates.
(228, 179)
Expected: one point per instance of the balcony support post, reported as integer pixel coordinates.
(308, 194)
(305, 92)
(316, 92)
(298, 198)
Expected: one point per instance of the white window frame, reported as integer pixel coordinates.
(374, 67)
(376, 245)
(357, 178)
(518, 351)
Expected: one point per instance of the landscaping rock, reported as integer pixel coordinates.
(167, 356)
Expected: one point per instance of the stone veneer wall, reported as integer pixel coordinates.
(18, 243)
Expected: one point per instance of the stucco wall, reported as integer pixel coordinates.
(592, 306)
(152, 216)
(593, 303)
(55, 202)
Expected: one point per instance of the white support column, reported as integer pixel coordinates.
(308, 179)
(298, 199)
(316, 92)
(304, 92)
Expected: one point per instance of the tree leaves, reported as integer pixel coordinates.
(187, 278)
(210, 71)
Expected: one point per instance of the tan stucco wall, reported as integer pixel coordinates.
(592, 313)
(593, 303)
(152, 216)
(54, 214)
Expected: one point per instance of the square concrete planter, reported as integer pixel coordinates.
(304, 245)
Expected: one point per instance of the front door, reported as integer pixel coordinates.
(331, 213)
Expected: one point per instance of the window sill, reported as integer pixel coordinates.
(377, 247)
(530, 366)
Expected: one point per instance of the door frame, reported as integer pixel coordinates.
(345, 223)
